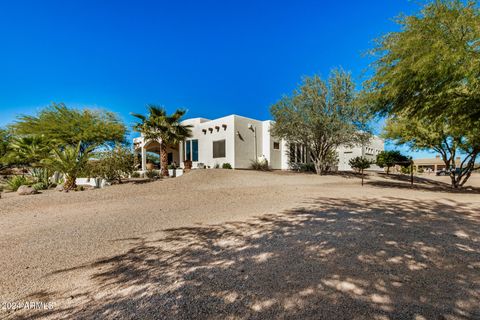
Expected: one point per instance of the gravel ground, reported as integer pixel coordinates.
(222, 244)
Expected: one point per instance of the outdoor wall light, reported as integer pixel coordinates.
(239, 135)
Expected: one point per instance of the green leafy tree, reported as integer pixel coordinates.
(427, 80)
(166, 129)
(4, 143)
(67, 126)
(73, 135)
(388, 159)
(360, 164)
(321, 115)
(113, 164)
(445, 138)
(431, 67)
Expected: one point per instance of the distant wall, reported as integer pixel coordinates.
(369, 151)
(245, 141)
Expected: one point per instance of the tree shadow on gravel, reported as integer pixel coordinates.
(330, 259)
(401, 181)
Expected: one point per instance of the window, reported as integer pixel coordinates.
(188, 150)
(276, 145)
(219, 149)
(191, 150)
(194, 150)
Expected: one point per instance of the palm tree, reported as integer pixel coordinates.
(69, 160)
(166, 129)
(27, 151)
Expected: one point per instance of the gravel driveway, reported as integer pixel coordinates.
(223, 244)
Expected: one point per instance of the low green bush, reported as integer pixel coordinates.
(406, 170)
(226, 166)
(152, 174)
(135, 174)
(40, 186)
(16, 181)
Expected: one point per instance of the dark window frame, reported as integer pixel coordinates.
(218, 153)
(188, 150)
(195, 150)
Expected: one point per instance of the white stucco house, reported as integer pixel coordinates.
(238, 140)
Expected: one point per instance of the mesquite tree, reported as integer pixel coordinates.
(445, 138)
(321, 115)
(390, 158)
(72, 135)
(426, 79)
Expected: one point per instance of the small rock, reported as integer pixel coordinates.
(59, 187)
(26, 190)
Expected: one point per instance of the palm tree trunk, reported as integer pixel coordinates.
(164, 159)
(70, 183)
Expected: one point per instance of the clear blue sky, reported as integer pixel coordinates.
(213, 58)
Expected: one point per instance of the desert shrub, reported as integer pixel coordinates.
(406, 170)
(112, 165)
(135, 174)
(80, 188)
(16, 181)
(259, 165)
(420, 170)
(226, 166)
(40, 186)
(152, 174)
(41, 176)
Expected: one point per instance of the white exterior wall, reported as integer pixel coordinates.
(245, 141)
(205, 140)
(284, 149)
(369, 151)
(375, 146)
(274, 156)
